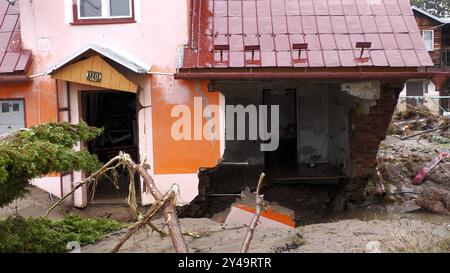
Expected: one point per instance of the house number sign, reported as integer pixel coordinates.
(94, 76)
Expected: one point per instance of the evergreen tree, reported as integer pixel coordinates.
(439, 8)
(42, 150)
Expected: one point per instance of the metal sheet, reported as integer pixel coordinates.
(333, 25)
(12, 58)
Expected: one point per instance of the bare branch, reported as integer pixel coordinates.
(259, 207)
(162, 233)
(169, 204)
(168, 197)
(91, 178)
(170, 212)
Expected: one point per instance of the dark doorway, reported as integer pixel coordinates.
(286, 154)
(116, 113)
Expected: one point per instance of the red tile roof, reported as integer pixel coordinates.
(222, 29)
(12, 57)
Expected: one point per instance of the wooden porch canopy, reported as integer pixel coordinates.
(100, 67)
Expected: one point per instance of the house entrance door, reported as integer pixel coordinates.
(115, 112)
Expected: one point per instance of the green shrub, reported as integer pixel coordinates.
(41, 150)
(20, 235)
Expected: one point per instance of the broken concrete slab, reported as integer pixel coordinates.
(366, 90)
(275, 216)
(243, 215)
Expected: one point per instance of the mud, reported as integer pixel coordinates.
(347, 232)
(37, 202)
(400, 161)
(349, 236)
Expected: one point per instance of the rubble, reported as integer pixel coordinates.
(275, 216)
(416, 166)
(418, 119)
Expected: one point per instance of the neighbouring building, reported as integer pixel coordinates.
(333, 69)
(14, 82)
(94, 60)
(436, 34)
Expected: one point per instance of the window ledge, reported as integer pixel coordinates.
(103, 21)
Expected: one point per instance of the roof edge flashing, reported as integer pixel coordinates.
(388, 75)
(114, 55)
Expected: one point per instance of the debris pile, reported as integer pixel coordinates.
(419, 121)
(416, 173)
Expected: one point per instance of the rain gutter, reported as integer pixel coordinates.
(438, 78)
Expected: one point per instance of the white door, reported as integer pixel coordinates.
(12, 116)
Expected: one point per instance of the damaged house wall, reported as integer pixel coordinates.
(323, 130)
(340, 106)
(367, 132)
(322, 113)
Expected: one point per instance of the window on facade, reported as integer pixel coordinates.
(105, 9)
(428, 37)
(5, 107)
(416, 88)
(16, 107)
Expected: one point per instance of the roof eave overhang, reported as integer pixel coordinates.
(438, 78)
(443, 21)
(14, 78)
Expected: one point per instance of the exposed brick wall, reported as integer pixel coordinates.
(367, 133)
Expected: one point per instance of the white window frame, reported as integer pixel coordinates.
(432, 39)
(105, 11)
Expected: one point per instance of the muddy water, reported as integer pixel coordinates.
(311, 206)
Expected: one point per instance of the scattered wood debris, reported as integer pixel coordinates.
(418, 121)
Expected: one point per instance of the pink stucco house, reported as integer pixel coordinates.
(334, 68)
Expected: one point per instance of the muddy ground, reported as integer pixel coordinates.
(400, 161)
(348, 236)
(347, 232)
(37, 202)
(415, 221)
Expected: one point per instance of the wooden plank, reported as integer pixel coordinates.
(124, 84)
(111, 78)
(115, 80)
(66, 73)
(77, 69)
(107, 74)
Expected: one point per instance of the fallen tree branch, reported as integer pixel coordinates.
(259, 207)
(162, 233)
(170, 213)
(168, 197)
(91, 178)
